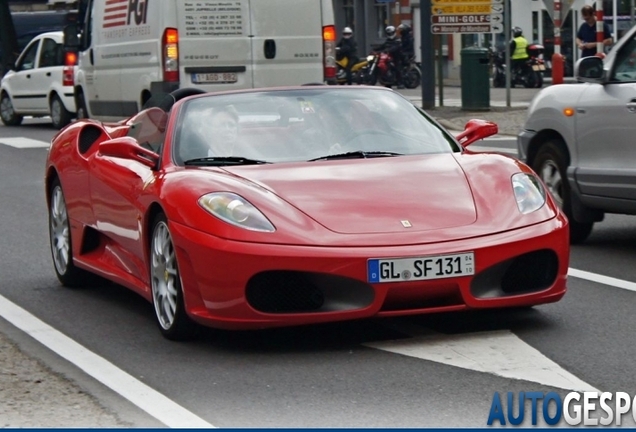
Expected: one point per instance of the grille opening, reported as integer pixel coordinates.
(530, 272)
(427, 295)
(285, 291)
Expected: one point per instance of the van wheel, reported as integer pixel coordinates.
(82, 112)
(8, 115)
(60, 116)
(551, 166)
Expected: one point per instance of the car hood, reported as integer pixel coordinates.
(379, 195)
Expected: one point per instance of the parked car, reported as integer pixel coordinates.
(40, 84)
(287, 206)
(580, 138)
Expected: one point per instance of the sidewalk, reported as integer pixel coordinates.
(509, 119)
(509, 116)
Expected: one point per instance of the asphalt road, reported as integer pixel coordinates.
(438, 370)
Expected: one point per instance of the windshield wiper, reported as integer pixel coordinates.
(356, 154)
(224, 160)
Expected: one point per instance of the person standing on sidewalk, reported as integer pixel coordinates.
(586, 36)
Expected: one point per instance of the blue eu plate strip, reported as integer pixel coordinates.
(373, 270)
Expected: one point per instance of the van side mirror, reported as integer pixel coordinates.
(71, 38)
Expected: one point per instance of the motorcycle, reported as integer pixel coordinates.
(529, 76)
(356, 69)
(381, 69)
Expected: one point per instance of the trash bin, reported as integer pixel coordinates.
(475, 79)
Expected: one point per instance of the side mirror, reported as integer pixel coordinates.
(71, 38)
(590, 69)
(129, 148)
(475, 130)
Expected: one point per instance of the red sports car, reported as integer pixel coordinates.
(278, 207)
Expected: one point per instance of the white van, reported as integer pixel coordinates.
(132, 49)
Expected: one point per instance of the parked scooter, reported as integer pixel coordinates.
(530, 76)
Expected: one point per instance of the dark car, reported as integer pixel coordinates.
(30, 24)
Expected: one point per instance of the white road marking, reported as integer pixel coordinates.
(154, 403)
(499, 353)
(605, 280)
(21, 142)
(479, 148)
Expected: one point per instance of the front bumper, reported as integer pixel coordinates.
(219, 277)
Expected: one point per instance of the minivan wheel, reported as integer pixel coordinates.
(551, 165)
(7, 114)
(60, 116)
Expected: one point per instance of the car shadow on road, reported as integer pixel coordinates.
(138, 314)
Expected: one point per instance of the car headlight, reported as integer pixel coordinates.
(370, 58)
(528, 191)
(235, 210)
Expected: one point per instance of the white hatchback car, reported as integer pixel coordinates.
(40, 84)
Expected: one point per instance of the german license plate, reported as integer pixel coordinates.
(538, 67)
(214, 78)
(420, 268)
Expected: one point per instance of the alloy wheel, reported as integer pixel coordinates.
(165, 276)
(59, 231)
(551, 176)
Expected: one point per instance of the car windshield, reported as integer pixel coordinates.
(313, 124)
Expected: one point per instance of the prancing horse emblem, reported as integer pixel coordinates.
(406, 224)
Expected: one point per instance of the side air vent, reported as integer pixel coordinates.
(88, 136)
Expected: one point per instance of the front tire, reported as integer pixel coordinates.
(551, 165)
(167, 294)
(61, 244)
(60, 116)
(498, 78)
(7, 113)
(413, 77)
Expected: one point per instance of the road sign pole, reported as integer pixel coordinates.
(428, 57)
(507, 32)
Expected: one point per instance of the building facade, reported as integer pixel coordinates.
(368, 18)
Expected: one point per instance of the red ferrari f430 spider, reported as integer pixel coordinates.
(289, 206)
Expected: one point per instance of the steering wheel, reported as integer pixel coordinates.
(358, 134)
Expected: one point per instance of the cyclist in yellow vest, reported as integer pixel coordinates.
(518, 50)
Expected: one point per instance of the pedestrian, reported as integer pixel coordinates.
(586, 36)
(348, 48)
(408, 45)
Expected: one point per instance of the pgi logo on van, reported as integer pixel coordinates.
(125, 12)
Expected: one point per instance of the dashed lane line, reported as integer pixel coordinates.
(22, 142)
